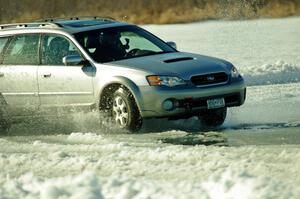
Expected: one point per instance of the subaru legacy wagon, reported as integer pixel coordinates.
(113, 67)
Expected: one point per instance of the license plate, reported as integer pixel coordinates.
(215, 103)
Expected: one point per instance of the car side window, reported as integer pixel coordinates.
(55, 48)
(22, 50)
(3, 41)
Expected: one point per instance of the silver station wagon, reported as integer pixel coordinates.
(57, 66)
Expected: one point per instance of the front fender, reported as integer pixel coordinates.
(129, 84)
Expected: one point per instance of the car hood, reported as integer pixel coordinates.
(179, 64)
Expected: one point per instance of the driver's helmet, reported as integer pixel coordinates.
(109, 39)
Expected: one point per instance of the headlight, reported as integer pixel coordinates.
(234, 72)
(155, 80)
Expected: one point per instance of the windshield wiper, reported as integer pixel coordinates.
(157, 53)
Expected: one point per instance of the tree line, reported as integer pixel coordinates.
(147, 11)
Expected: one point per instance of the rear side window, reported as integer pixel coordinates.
(22, 50)
(55, 48)
(3, 41)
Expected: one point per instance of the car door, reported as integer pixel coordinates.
(18, 73)
(63, 87)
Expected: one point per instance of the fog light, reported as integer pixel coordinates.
(168, 105)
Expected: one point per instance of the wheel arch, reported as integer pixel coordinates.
(110, 87)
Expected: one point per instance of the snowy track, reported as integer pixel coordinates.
(255, 154)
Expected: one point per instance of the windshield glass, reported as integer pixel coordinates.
(112, 44)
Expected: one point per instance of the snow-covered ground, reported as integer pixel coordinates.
(256, 154)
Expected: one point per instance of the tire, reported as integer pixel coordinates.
(213, 118)
(125, 113)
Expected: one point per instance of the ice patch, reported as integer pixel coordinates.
(207, 138)
(278, 73)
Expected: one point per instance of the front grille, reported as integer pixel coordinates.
(207, 79)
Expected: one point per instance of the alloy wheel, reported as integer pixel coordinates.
(120, 111)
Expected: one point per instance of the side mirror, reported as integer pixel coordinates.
(172, 44)
(72, 60)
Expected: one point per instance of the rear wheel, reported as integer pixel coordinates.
(213, 118)
(125, 112)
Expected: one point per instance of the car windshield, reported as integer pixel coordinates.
(118, 43)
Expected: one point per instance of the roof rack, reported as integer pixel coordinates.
(78, 18)
(52, 22)
(28, 25)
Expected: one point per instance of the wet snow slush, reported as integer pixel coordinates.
(255, 154)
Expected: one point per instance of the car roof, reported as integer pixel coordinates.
(70, 25)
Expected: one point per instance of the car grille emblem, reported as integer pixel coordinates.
(210, 78)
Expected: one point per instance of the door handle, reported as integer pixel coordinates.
(1, 74)
(47, 75)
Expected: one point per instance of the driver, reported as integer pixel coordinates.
(110, 47)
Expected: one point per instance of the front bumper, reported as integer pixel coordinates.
(188, 101)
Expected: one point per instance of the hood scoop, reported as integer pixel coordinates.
(178, 59)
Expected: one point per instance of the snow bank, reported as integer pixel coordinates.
(85, 137)
(278, 73)
(230, 185)
(86, 186)
(100, 166)
(227, 184)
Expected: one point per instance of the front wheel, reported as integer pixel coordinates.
(213, 118)
(125, 112)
